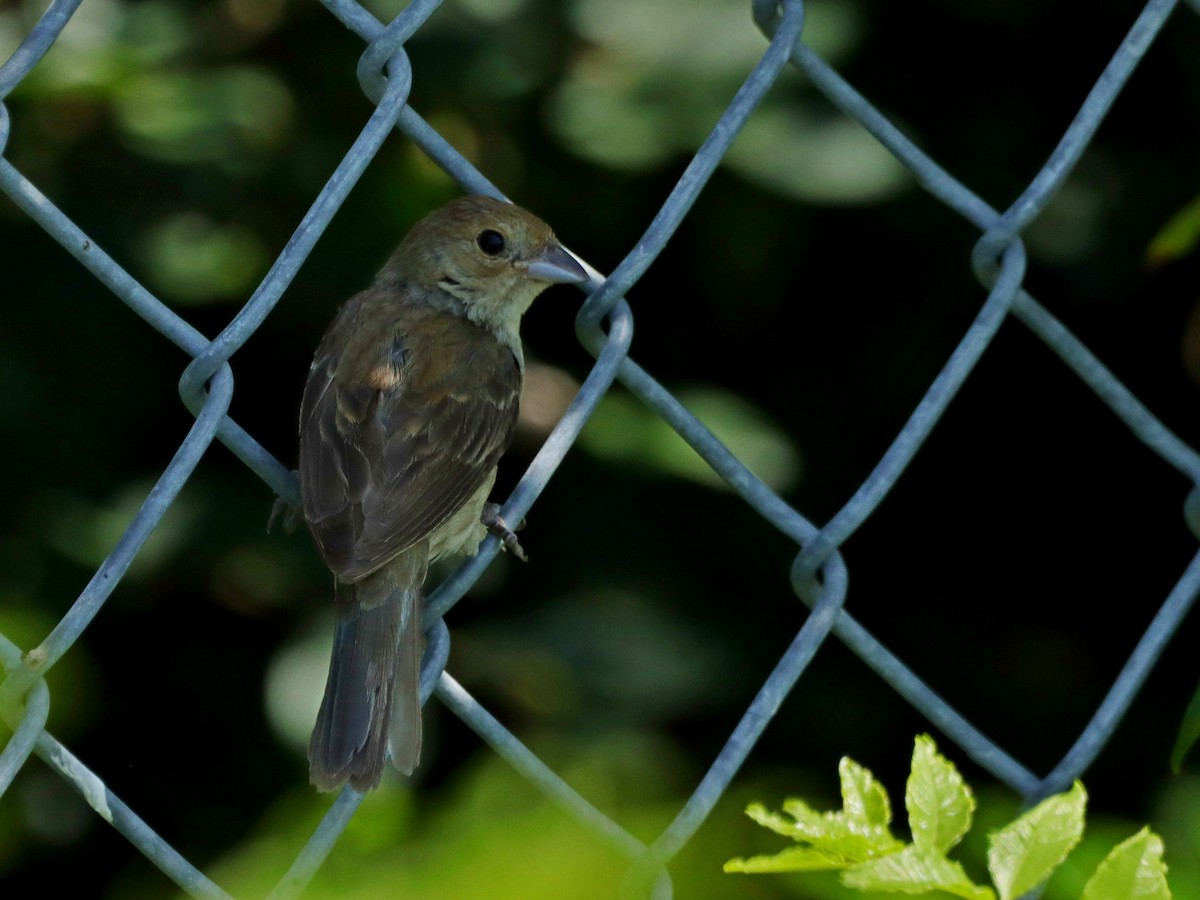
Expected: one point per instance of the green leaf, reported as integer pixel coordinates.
(808, 823)
(1179, 237)
(857, 833)
(1024, 853)
(1189, 733)
(831, 833)
(1134, 870)
(939, 803)
(794, 859)
(864, 800)
(778, 823)
(914, 870)
(826, 831)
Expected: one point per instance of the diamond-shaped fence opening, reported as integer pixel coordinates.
(819, 573)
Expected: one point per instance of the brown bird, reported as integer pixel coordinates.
(410, 402)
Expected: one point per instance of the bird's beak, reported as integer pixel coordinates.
(555, 266)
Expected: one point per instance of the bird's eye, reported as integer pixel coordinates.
(491, 242)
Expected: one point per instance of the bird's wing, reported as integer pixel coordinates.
(398, 429)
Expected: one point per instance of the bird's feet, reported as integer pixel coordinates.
(288, 515)
(497, 526)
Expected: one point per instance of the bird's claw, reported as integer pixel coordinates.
(288, 515)
(497, 526)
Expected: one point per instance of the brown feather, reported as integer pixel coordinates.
(383, 469)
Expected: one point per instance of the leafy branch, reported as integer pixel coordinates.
(858, 842)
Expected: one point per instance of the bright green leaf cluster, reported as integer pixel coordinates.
(835, 840)
(857, 841)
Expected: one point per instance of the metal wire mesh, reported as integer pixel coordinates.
(604, 327)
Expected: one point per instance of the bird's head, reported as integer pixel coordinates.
(492, 258)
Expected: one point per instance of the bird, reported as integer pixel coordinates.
(410, 402)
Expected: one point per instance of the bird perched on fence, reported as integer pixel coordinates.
(410, 402)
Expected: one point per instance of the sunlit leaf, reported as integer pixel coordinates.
(939, 803)
(833, 832)
(858, 832)
(864, 799)
(808, 822)
(1134, 870)
(1023, 854)
(914, 870)
(832, 837)
(783, 825)
(794, 859)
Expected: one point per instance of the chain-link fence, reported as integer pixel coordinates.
(604, 327)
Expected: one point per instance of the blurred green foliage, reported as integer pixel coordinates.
(1179, 237)
(623, 430)
(801, 311)
(631, 100)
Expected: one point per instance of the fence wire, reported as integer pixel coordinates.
(604, 326)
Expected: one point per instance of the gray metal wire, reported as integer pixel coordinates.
(605, 328)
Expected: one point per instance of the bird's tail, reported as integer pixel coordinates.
(373, 679)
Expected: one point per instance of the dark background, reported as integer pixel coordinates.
(807, 302)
